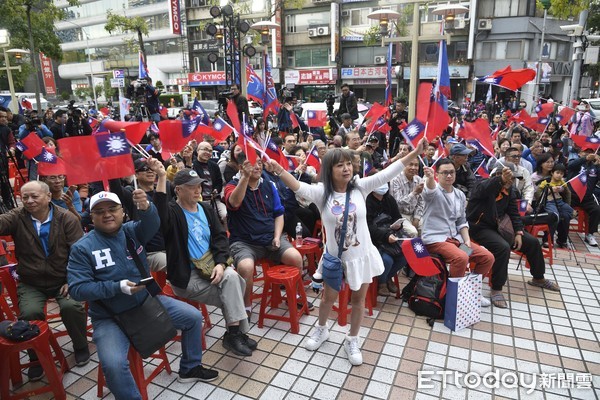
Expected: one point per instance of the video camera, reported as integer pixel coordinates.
(32, 123)
(330, 101)
(137, 89)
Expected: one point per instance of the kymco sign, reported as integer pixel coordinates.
(175, 16)
(207, 78)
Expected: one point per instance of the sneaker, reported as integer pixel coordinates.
(251, 343)
(82, 356)
(35, 373)
(198, 373)
(353, 350)
(309, 305)
(591, 240)
(319, 335)
(236, 343)
(485, 302)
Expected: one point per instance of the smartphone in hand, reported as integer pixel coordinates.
(145, 281)
(466, 249)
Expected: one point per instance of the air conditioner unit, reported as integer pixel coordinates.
(345, 13)
(460, 23)
(485, 25)
(379, 60)
(312, 32)
(323, 31)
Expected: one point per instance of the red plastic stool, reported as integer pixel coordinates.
(291, 279)
(535, 230)
(136, 366)
(43, 344)
(312, 252)
(344, 299)
(582, 221)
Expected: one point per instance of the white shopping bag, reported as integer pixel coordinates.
(463, 302)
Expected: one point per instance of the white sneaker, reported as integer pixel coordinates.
(591, 240)
(353, 350)
(319, 335)
(485, 302)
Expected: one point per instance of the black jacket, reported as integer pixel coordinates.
(387, 205)
(465, 180)
(174, 228)
(216, 179)
(485, 208)
(349, 105)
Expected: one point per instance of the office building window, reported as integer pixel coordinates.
(308, 57)
(513, 49)
(290, 23)
(488, 51)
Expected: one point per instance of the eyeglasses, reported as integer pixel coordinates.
(204, 149)
(55, 178)
(111, 210)
(447, 173)
(514, 156)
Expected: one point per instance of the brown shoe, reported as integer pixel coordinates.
(391, 287)
(383, 290)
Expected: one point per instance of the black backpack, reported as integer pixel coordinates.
(426, 295)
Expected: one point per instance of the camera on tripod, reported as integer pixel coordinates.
(330, 101)
(137, 89)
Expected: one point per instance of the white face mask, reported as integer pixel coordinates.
(381, 190)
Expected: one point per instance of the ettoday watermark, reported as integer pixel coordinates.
(497, 379)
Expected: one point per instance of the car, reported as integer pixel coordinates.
(362, 110)
(594, 107)
(173, 112)
(211, 106)
(255, 109)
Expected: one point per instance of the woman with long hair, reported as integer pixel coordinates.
(543, 168)
(361, 258)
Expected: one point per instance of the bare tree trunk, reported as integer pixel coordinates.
(34, 57)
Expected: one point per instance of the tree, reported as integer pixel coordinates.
(18, 16)
(593, 22)
(564, 9)
(123, 24)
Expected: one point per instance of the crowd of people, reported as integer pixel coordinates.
(209, 203)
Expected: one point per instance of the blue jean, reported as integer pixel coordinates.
(113, 346)
(565, 213)
(391, 264)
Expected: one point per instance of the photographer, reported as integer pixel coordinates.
(348, 103)
(241, 103)
(151, 95)
(143, 94)
(77, 125)
(34, 125)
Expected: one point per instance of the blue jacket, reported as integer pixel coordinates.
(41, 131)
(98, 262)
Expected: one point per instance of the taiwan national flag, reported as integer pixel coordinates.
(413, 132)
(175, 134)
(545, 109)
(480, 131)
(522, 207)
(49, 164)
(197, 106)
(418, 257)
(96, 158)
(313, 159)
(316, 118)
(482, 170)
(579, 185)
(367, 168)
(31, 145)
(254, 87)
(292, 163)
(274, 153)
(270, 102)
(221, 129)
(565, 115)
(585, 143)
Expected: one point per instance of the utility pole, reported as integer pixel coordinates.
(578, 57)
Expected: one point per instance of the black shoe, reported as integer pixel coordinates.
(198, 373)
(310, 306)
(251, 343)
(236, 343)
(561, 245)
(35, 373)
(82, 356)
(249, 314)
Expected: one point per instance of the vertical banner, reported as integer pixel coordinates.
(335, 32)
(124, 105)
(175, 17)
(48, 73)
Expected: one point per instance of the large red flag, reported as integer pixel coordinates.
(584, 142)
(96, 158)
(135, 131)
(545, 109)
(376, 111)
(423, 100)
(50, 164)
(232, 113)
(565, 115)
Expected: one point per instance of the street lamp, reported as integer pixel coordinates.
(230, 33)
(384, 17)
(265, 28)
(450, 11)
(4, 43)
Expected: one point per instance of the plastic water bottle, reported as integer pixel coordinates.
(299, 235)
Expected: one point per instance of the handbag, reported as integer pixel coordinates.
(506, 230)
(205, 265)
(147, 326)
(332, 267)
(384, 221)
(463, 302)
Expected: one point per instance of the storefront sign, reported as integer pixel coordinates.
(430, 72)
(322, 76)
(175, 16)
(364, 73)
(207, 78)
(48, 72)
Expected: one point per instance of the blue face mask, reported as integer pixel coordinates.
(381, 190)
